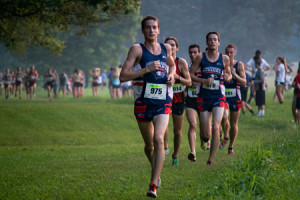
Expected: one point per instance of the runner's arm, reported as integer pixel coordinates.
(241, 78)
(194, 68)
(171, 64)
(227, 70)
(133, 58)
(186, 79)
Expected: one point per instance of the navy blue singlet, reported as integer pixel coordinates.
(156, 79)
(212, 70)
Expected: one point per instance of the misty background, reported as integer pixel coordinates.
(271, 26)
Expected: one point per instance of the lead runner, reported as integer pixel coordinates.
(153, 107)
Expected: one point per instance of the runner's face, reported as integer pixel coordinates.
(193, 52)
(213, 41)
(151, 30)
(173, 47)
(231, 52)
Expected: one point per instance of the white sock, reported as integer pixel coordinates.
(262, 112)
(259, 113)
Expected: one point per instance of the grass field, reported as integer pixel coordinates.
(91, 148)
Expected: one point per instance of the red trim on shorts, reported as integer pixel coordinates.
(223, 102)
(168, 108)
(200, 107)
(140, 109)
(138, 83)
(239, 104)
(226, 106)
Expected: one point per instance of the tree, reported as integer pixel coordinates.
(31, 23)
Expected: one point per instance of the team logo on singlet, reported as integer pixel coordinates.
(161, 72)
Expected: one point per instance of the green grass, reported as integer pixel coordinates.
(90, 148)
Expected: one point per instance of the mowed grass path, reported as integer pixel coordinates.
(91, 148)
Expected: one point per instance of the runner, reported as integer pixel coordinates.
(244, 92)
(182, 79)
(63, 78)
(32, 84)
(296, 102)
(7, 78)
(280, 69)
(104, 79)
(215, 68)
(95, 85)
(192, 111)
(233, 98)
(77, 83)
(152, 109)
(27, 83)
(49, 79)
(19, 82)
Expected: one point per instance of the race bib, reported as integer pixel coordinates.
(19, 79)
(192, 92)
(230, 92)
(49, 79)
(214, 86)
(32, 77)
(156, 91)
(177, 88)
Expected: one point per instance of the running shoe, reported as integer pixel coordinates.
(203, 145)
(152, 191)
(175, 161)
(167, 151)
(223, 144)
(209, 163)
(192, 157)
(230, 151)
(158, 183)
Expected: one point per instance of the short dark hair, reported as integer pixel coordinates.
(212, 32)
(229, 46)
(172, 38)
(149, 17)
(195, 46)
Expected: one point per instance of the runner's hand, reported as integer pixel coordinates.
(210, 81)
(153, 66)
(170, 80)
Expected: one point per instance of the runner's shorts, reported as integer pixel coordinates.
(209, 104)
(234, 104)
(145, 112)
(298, 103)
(191, 103)
(178, 108)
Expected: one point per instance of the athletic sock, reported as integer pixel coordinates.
(262, 112)
(205, 139)
(251, 111)
(259, 113)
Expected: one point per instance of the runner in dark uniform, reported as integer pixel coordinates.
(49, 79)
(215, 68)
(192, 111)
(233, 98)
(152, 109)
(19, 82)
(7, 78)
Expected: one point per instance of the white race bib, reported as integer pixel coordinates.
(192, 92)
(19, 79)
(214, 86)
(230, 92)
(177, 88)
(156, 91)
(32, 77)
